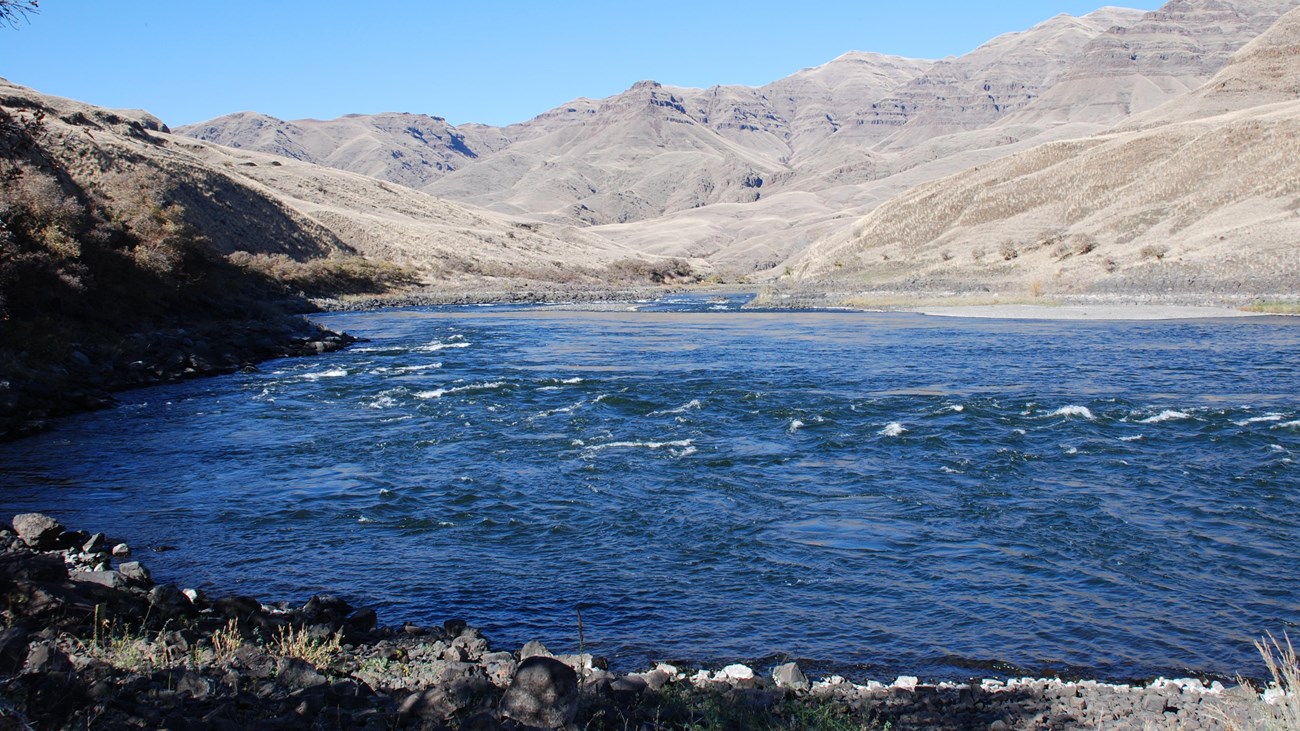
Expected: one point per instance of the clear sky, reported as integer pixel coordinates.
(475, 61)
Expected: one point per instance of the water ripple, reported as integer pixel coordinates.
(877, 493)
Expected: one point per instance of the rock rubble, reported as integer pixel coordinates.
(89, 639)
(31, 395)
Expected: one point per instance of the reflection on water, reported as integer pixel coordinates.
(873, 491)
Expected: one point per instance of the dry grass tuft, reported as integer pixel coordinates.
(1278, 707)
(226, 640)
(1283, 695)
(304, 646)
(1275, 308)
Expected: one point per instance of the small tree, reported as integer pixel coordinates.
(12, 10)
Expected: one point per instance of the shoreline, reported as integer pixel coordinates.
(89, 636)
(1091, 313)
(32, 395)
(1098, 308)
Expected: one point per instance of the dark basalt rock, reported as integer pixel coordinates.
(544, 693)
(38, 531)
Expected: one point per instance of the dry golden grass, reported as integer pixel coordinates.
(1274, 308)
(226, 640)
(1278, 708)
(304, 646)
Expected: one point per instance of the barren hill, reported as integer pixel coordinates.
(747, 178)
(409, 149)
(259, 203)
(1133, 68)
(1193, 201)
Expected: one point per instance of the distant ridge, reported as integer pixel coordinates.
(1198, 198)
(258, 203)
(747, 179)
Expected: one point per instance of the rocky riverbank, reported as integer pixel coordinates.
(34, 390)
(90, 640)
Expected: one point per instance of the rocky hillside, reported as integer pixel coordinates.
(1196, 198)
(748, 177)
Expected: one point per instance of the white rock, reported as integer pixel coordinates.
(906, 682)
(736, 672)
(1273, 695)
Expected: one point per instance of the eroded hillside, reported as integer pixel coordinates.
(1198, 198)
(746, 178)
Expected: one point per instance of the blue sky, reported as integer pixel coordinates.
(495, 63)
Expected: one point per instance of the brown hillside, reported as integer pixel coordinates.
(1204, 207)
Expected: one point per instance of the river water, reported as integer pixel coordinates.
(870, 493)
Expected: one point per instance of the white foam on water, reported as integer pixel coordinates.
(364, 519)
(1137, 438)
(1287, 425)
(403, 370)
(440, 392)
(690, 406)
(382, 402)
(1277, 447)
(1260, 419)
(600, 398)
(685, 452)
(950, 471)
(1071, 450)
(893, 429)
(436, 345)
(385, 491)
(1163, 416)
(681, 444)
(571, 381)
(1072, 410)
(549, 388)
(331, 373)
(956, 408)
(265, 395)
(795, 425)
(1019, 432)
(564, 410)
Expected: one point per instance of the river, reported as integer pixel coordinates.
(871, 493)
